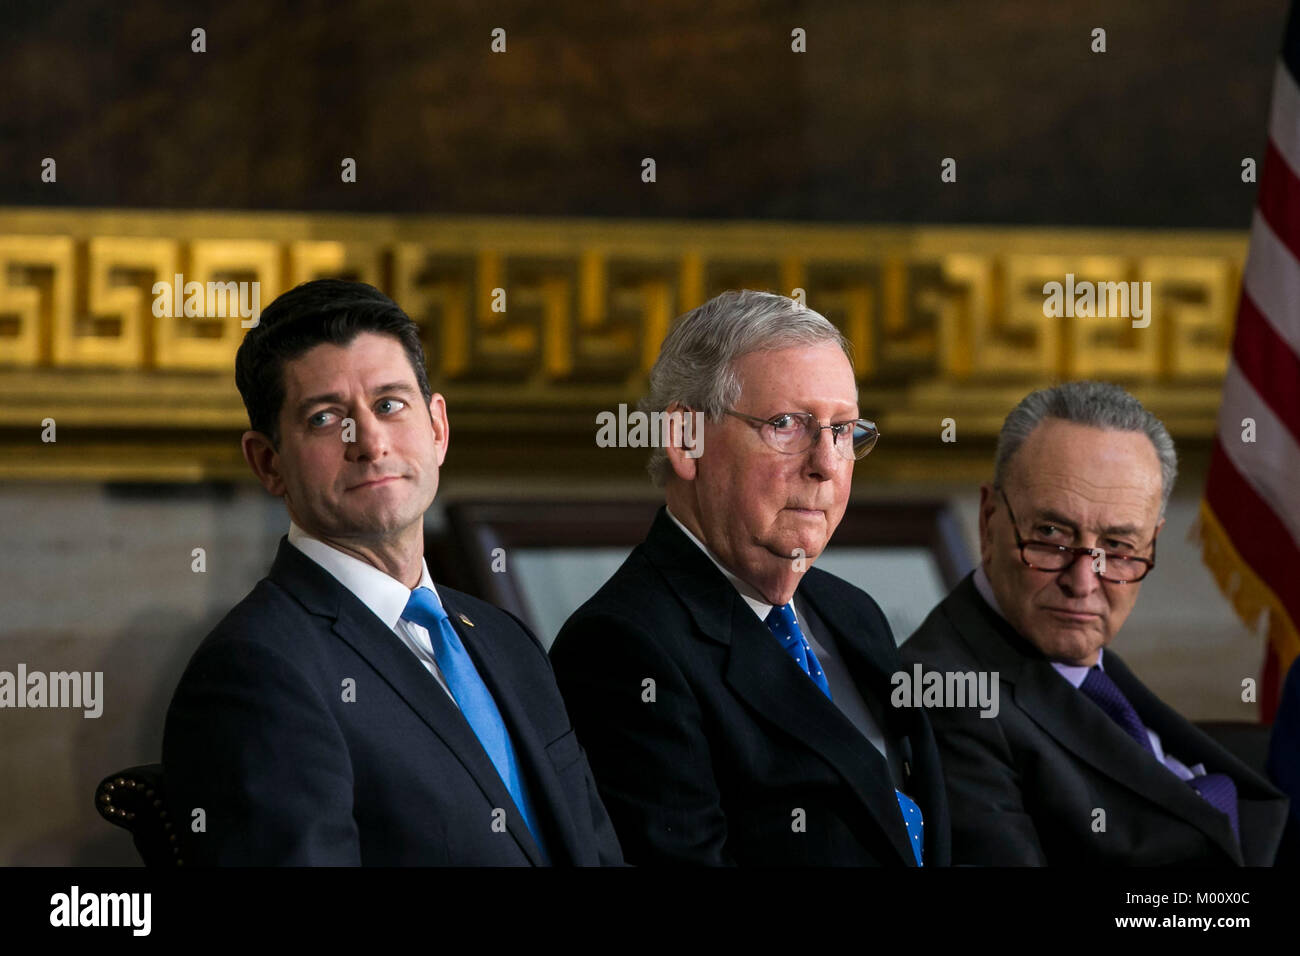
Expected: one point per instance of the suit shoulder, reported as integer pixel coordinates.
(267, 625)
(939, 641)
(817, 580)
(633, 592)
(262, 616)
(848, 601)
(264, 656)
(636, 603)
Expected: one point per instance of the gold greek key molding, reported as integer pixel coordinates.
(944, 321)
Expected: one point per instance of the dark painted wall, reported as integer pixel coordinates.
(1151, 133)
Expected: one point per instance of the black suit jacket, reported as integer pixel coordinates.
(287, 771)
(737, 740)
(1024, 786)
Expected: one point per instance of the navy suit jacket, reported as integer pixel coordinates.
(1284, 764)
(261, 736)
(737, 740)
(1024, 786)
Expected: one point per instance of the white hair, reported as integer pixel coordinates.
(696, 364)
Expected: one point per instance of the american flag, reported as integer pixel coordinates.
(1250, 516)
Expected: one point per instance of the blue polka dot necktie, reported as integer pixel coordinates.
(915, 823)
(473, 698)
(781, 622)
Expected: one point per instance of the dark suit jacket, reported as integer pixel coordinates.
(1284, 763)
(737, 738)
(259, 735)
(1023, 786)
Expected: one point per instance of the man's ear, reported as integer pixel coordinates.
(684, 442)
(264, 460)
(441, 427)
(988, 504)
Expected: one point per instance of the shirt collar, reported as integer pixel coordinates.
(985, 588)
(386, 596)
(756, 603)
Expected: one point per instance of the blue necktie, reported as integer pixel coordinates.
(1217, 789)
(473, 698)
(781, 622)
(915, 823)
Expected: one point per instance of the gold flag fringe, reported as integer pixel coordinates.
(1250, 597)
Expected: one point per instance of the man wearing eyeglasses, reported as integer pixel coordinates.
(733, 699)
(1081, 764)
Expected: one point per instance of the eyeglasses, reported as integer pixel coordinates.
(1116, 567)
(793, 433)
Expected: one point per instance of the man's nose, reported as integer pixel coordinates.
(368, 437)
(1079, 579)
(823, 458)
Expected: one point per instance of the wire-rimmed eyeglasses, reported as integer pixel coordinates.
(793, 433)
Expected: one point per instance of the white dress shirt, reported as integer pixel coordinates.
(383, 594)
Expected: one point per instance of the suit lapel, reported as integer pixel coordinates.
(765, 677)
(550, 802)
(1183, 740)
(1179, 737)
(1073, 721)
(357, 626)
(870, 671)
(1086, 731)
(760, 672)
(848, 626)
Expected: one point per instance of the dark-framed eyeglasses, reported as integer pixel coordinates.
(1115, 566)
(793, 433)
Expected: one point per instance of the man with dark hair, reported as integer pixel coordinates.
(348, 711)
(1080, 764)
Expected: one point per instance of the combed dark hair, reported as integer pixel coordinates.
(332, 311)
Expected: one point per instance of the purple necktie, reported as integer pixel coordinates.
(1106, 695)
(1217, 789)
(1221, 793)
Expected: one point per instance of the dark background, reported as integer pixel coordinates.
(1150, 133)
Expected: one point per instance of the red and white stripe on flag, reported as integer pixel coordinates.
(1250, 516)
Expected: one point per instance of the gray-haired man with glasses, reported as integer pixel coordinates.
(1081, 764)
(733, 699)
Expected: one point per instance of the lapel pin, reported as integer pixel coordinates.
(465, 620)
